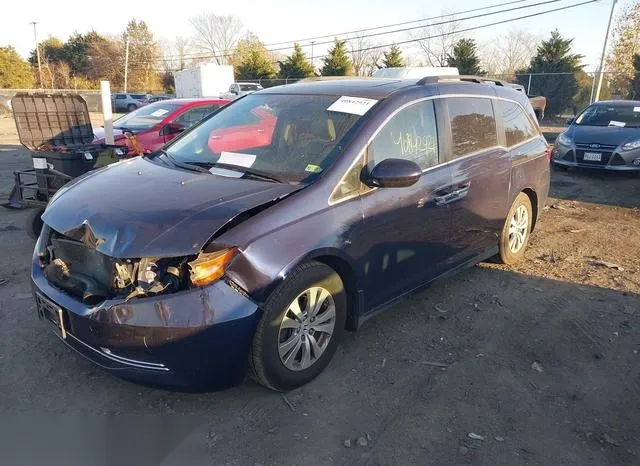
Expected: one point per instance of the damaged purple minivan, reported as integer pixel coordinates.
(256, 238)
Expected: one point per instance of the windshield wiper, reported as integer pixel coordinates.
(257, 174)
(251, 172)
(185, 165)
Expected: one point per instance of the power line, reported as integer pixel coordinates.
(474, 27)
(227, 53)
(356, 31)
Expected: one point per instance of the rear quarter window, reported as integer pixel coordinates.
(473, 125)
(518, 127)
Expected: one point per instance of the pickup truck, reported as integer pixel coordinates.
(538, 102)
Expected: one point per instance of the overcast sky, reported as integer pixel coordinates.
(284, 20)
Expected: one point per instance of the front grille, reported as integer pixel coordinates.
(595, 147)
(78, 269)
(603, 160)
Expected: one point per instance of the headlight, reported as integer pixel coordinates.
(210, 266)
(631, 145)
(564, 140)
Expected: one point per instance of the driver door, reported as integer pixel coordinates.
(406, 230)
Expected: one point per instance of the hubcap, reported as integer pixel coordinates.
(306, 328)
(518, 229)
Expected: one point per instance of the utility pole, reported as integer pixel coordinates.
(312, 57)
(126, 62)
(35, 36)
(604, 51)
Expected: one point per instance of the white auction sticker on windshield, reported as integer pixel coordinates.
(621, 124)
(636, 109)
(353, 105)
(237, 158)
(160, 112)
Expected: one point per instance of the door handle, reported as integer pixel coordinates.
(442, 198)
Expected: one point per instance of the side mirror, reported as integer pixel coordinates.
(570, 120)
(394, 173)
(172, 128)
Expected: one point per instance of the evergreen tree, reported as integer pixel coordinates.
(252, 60)
(14, 71)
(337, 63)
(465, 57)
(296, 66)
(144, 52)
(393, 58)
(554, 56)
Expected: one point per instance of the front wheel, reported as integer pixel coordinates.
(299, 331)
(131, 107)
(34, 222)
(516, 230)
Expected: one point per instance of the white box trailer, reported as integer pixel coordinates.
(415, 72)
(204, 80)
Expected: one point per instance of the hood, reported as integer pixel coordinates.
(608, 135)
(98, 133)
(139, 208)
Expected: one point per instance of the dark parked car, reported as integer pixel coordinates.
(605, 135)
(185, 267)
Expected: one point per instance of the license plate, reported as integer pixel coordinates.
(593, 156)
(50, 311)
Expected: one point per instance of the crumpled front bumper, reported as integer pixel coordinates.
(196, 339)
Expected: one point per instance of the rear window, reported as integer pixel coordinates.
(517, 125)
(138, 96)
(473, 125)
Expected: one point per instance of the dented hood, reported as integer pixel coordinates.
(140, 208)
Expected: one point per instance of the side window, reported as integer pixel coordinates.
(411, 134)
(120, 96)
(517, 125)
(194, 115)
(473, 125)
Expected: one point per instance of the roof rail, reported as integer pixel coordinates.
(474, 79)
(326, 78)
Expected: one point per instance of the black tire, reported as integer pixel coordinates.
(34, 222)
(507, 256)
(131, 107)
(265, 362)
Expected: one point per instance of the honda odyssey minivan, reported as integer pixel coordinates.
(196, 264)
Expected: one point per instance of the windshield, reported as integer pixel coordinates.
(291, 138)
(610, 115)
(145, 117)
(248, 87)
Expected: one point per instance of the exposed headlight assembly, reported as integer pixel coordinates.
(631, 145)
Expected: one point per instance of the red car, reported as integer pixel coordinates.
(156, 124)
(255, 131)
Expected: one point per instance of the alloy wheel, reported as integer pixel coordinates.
(306, 328)
(518, 229)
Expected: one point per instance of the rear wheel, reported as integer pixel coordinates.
(34, 222)
(516, 230)
(299, 331)
(131, 107)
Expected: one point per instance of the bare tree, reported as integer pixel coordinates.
(175, 54)
(506, 54)
(437, 40)
(363, 56)
(216, 35)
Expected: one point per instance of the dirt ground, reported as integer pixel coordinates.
(534, 364)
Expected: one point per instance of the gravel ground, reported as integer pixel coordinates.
(534, 364)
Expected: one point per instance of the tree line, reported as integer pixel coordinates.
(84, 59)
